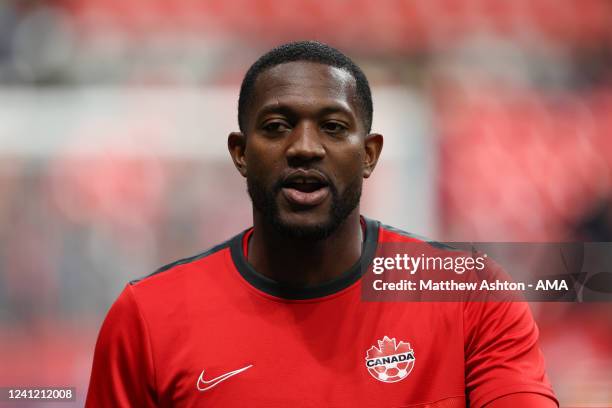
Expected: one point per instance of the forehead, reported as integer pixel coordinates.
(305, 83)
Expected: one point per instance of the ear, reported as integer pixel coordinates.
(373, 147)
(236, 144)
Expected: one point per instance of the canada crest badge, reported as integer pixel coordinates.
(391, 361)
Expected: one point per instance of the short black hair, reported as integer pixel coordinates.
(311, 51)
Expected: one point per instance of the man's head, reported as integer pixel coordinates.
(311, 51)
(305, 146)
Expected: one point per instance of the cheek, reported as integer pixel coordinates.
(262, 161)
(356, 155)
(349, 166)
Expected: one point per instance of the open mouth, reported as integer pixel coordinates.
(305, 190)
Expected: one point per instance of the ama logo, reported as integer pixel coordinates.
(390, 362)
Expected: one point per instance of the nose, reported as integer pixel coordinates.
(305, 145)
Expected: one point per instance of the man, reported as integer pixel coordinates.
(274, 316)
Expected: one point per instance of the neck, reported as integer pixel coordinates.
(299, 262)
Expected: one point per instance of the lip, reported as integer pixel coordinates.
(308, 176)
(305, 199)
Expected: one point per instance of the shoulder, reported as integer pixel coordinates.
(390, 234)
(183, 285)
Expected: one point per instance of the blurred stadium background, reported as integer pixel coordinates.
(113, 123)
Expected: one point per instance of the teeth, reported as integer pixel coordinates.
(303, 181)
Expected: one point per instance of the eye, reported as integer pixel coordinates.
(334, 127)
(276, 126)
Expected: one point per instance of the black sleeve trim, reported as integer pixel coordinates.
(183, 261)
(434, 244)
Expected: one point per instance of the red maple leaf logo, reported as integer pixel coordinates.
(388, 347)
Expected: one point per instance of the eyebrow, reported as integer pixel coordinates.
(287, 110)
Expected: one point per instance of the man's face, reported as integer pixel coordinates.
(305, 155)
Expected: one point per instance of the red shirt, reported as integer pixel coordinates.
(211, 331)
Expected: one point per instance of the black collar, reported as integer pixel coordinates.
(346, 279)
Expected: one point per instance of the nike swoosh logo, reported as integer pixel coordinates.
(205, 385)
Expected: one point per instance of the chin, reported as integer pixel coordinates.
(310, 229)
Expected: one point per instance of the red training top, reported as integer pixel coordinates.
(211, 331)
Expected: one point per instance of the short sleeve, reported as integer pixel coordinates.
(123, 370)
(501, 352)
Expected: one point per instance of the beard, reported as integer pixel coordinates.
(264, 200)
